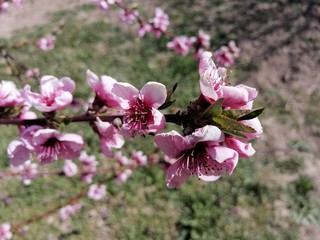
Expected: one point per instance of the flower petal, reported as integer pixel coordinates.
(171, 143)
(126, 92)
(176, 174)
(154, 94)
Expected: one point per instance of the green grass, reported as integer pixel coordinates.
(242, 206)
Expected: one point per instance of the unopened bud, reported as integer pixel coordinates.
(117, 122)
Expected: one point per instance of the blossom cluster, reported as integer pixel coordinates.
(180, 44)
(225, 55)
(217, 126)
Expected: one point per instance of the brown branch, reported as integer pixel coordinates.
(173, 118)
(50, 212)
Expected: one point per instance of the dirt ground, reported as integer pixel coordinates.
(282, 38)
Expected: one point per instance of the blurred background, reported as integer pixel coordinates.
(273, 195)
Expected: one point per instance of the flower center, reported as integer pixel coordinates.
(50, 150)
(199, 162)
(137, 116)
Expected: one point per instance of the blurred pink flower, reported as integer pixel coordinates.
(33, 72)
(180, 44)
(123, 176)
(234, 50)
(128, 16)
(143, 29)
(88, 166)
(199, 154)
(160, 22)
(109, 137)
(139, 158)
(10, 96)
(204, 39)
(97, 192)
(55, 94)
(121, 159)
(5, 232)
(70, 168)
(223, 57)
(104, 4)
(27, 171)
(46, 43)
(4, 7)
(69, 210)
(141, 114)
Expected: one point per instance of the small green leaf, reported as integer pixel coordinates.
(252, 114)
(166, 104)
(235, 114)
(231, 126)
(214, 109)
(234, 133)
(168, 101)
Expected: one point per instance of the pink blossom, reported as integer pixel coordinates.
(4, 7)
(104, 4)
(139, 158)
(180, 44)
(102, 87)
(121, 159)
(49, 144)
(123, 176)
(242, 146)
(234, 50)
(69, 210)
(109, 137)
(55, 94)
(18, 152)
(70, 168)
(88, 166)
(211, 77)
(237, 97)
(10, 96)
(97, 192)
(46, 43)
(160, 22)
(5, 232)
(141, 114)
(204, 39)
(101, 4)
(199, 154)
(224, 57)
(128, 16)
(32, 73)
(143, 29)
(27, 171)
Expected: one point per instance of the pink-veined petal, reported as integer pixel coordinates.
(18, 153)
(177, 174)
(244, 149)
(171, 143)
(154, 94)
(126, 92)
